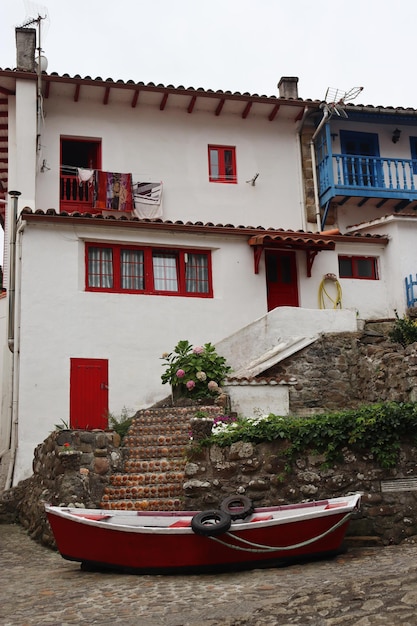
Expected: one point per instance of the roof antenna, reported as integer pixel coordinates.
(41, 60)
(335, 99)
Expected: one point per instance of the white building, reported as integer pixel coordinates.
(218, 233)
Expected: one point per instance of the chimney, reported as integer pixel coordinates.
(25, 49)
(287, 87)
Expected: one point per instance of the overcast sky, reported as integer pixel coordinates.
(236, 45)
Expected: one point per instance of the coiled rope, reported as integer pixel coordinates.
(259, 548)
(323, 293)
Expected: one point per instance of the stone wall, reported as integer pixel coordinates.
(389, 503)
(71, 467)
(346, 370)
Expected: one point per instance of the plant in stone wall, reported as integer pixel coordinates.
(120, 423)
(376, 429)
(194, 371)
(404, 330)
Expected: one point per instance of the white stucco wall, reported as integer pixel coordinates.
(60, 320)
(171, 146)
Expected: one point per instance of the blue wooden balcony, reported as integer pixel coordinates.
(345, 176)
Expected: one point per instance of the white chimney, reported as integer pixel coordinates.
(287, 87)
(25, 49)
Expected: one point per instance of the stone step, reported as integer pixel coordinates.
(154, 452)
(147, 491)
(134, 467)
(148, 478)
(144, 430)
(157, 439)
(145, 504)
(154, 461)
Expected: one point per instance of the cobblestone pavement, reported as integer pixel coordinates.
(364, 586)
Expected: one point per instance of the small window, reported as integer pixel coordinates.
(125, 269)
(222, 164)
(362, 267)
(413, 148)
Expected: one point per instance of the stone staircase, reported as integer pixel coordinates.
(154, 460)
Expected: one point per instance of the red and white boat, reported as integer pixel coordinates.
(234, 537)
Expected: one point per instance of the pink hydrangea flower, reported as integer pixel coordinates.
(198, 350)
(212, 385)
(180, 374)
(190, 385)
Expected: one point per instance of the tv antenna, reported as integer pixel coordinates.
(41, 60)
(42, 24)
(335, 99)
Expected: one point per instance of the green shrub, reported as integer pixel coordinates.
(376, 429)
(404, 330)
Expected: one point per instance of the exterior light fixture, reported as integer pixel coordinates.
(396, 134)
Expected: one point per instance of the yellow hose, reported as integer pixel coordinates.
(323, 293)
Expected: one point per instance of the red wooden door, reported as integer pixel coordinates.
(89, 395)
(281, 278)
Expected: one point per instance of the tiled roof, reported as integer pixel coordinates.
(123, 221)
(198, 91)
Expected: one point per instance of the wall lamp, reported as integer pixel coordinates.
(396, 134)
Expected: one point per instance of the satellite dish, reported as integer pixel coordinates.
(41, 63)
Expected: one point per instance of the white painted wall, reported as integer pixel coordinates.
(172, 146)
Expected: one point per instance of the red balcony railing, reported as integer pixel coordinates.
(75, 195)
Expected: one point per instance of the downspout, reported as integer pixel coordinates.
(12, 269)
(314, 167)
(12, 344)
(300, 148)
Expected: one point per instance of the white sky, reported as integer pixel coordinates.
(235, 45)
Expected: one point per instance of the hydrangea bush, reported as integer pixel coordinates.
(198, 371)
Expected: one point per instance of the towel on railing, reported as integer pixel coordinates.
(113, 191)
(85, 176)
(147, 199)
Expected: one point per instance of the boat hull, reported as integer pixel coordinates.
(259, 542)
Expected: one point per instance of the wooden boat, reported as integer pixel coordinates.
(236, 536)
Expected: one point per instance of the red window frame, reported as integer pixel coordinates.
(355, 267)
(222, 165)
(181, 256)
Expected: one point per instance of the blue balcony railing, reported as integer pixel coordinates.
(346, 174)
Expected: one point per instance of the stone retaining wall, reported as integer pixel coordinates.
(389, 503)
(71, 467)
(346, 370)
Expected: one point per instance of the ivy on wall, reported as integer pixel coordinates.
(377, 429)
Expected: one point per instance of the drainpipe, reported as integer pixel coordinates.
(12, 268)
(11, 339)
(313, 166)
(300, 148)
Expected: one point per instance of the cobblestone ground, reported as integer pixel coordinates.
(364, 586)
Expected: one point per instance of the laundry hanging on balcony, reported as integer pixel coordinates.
(113, 191)
(147, 200)
(85, 176)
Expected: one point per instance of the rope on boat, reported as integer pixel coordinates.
(257, 547)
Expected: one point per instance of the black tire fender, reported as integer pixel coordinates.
(211, 523)
(238, 507)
